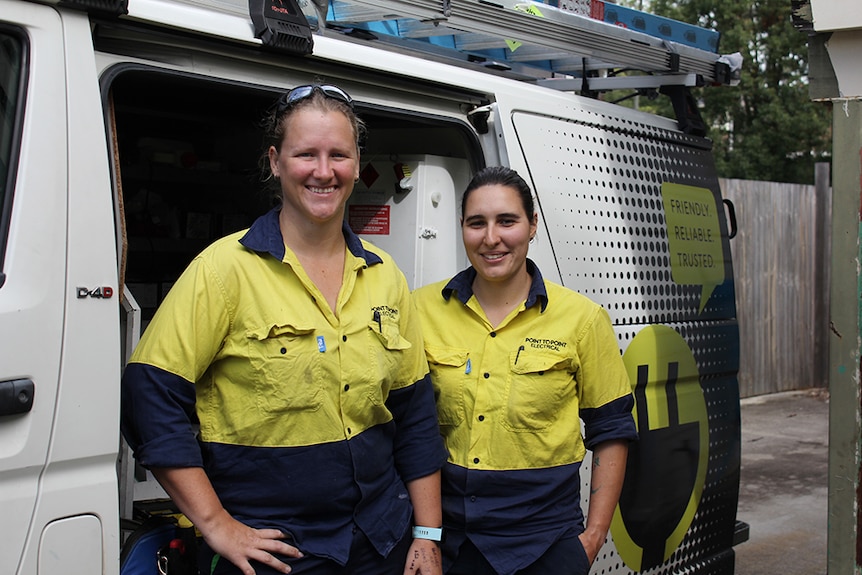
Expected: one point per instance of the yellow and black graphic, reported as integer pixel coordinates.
(666, 468)
(694, 237)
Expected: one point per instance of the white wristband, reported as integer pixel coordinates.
(431, 533)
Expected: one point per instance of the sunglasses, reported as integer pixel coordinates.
(302, 92)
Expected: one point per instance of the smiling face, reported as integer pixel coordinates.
(317, 164)
(496, 232)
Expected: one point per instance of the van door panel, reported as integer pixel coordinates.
(605, 189)
(631, 216)
(32, 298)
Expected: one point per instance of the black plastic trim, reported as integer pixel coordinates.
(731, 213)
(16, 396)
(280, 24)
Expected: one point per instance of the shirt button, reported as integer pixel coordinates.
(486, 375)
(283, 350)
(475, 460)
(346, 387)
(343, 338)
(348, 431)
(481, 418)
(493, 334)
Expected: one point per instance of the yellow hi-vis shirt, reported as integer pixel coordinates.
(509, 402)
(273, 366)
(511, 397)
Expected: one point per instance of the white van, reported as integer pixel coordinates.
(129, 141)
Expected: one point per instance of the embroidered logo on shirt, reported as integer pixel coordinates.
(553, 344)
(385, 311)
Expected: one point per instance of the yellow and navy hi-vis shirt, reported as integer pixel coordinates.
(309, 420)
(509, 403)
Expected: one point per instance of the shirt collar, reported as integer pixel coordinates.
(462, 285)
(264, 236)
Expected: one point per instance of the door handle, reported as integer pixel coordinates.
(16, 396)
(732, 213)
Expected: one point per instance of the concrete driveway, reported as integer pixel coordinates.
(784, 483)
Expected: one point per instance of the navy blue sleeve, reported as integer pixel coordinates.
(613, 420)
(158, 417)
(419, 449)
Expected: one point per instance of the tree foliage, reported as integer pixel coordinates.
(766, 128)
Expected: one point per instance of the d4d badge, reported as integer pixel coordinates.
(666, 467)
(101, 292)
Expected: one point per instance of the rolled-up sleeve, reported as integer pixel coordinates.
(158, 416)
(419, 449)
(611, 421)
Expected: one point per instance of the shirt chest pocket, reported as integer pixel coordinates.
(450, 374)
(286, 370)
(382, 366)
(539, 384)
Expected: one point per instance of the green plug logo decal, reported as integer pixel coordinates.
(666, 468)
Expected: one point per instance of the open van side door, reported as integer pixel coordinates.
(631, 216)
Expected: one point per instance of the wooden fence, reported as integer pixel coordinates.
(781, 261)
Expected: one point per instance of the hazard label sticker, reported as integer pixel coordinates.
(369, 219)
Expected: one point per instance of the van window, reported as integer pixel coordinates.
(11, 112)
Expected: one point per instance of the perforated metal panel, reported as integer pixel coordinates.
(598, 181)
(601, 182)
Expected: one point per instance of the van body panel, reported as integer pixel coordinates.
(80, 479)
(620, 196)
(32, 300)
(61, 271)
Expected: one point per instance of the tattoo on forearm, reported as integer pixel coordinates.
(593, 487)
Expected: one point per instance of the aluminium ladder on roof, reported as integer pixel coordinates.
(539, 42)
(570, 42)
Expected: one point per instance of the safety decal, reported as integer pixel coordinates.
(666, 467)
(369, 175)
(369, 219)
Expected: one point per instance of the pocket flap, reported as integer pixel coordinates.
(536, 362)
(270, 331)
(447, 356)
(387, 331)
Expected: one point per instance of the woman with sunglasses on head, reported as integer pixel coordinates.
(296, 348)
(516, 361)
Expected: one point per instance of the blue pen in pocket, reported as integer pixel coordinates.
(469, 367)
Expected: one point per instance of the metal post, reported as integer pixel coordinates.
(845, 411)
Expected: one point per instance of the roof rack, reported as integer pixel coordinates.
(587, 46)
(582, 45)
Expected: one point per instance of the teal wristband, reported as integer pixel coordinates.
(431, 533)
